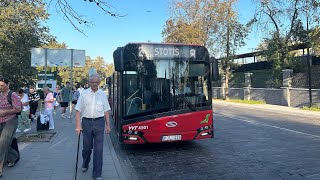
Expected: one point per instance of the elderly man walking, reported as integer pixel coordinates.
(93, 107)
(8, 123)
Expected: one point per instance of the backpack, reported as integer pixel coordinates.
(9, 98)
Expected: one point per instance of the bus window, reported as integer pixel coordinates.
(131, 93)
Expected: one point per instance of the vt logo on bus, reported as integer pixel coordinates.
(206, 120)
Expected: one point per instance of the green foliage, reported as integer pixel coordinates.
(205, 22)
(214, 24)
(246, 101)
(242, 101)
(181, 32)
(315, 39)
(297, 64)
(237, 80)
(285, 24)
(21, 28)
(312, 108)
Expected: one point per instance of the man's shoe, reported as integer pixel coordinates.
(26, 130)
(11, 164)
(99, 178)
(84, 169)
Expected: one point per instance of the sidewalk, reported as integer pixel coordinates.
(270, 108)
(57, 159)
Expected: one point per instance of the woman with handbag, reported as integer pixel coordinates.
(48, 102)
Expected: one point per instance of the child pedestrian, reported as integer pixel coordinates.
(23, 118)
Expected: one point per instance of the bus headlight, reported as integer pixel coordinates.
(204, 134)
(132, 138)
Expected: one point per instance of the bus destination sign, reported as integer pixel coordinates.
(146, 51)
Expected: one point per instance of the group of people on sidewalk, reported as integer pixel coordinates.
(92, 118)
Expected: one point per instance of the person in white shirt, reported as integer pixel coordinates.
(23, 118)
(93, 107)
(80, 88)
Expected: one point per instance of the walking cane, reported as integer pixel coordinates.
(75, 177)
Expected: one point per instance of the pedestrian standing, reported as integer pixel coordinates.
(23, 118)
(25, 88)
(93, 107)
(48, 104)
(86, 86)
(80, 88)
(33, 102)
(8, 123)
(75, 96)
(65, 95)
(56, 96)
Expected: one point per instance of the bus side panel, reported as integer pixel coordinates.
(181, 127)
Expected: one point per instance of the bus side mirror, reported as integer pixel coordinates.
(215, 69)
(117, 59)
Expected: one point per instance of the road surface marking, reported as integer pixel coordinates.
(263, 124)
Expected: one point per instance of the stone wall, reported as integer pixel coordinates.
(285, 96)
(298, 97)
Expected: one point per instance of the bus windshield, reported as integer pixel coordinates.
(157, 86)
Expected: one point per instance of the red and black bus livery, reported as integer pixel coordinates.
(161, 93)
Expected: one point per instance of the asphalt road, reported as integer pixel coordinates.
(249, 143)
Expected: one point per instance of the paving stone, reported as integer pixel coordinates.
(248, 145)
(57, 159)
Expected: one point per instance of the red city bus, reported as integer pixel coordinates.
(161, 93)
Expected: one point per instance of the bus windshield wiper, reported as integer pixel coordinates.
(189, 104)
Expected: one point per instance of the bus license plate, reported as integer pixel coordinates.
(171, 138)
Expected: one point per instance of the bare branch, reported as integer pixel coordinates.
(74, 18)
(70, 15)
(102, 5)
(293, 20)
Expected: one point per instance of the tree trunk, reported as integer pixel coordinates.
(227, 63)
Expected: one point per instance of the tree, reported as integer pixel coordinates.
(213, 24)
(315, 40)
(282, 21)
(192, 21)
(21, 29)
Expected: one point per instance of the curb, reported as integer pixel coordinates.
(115, 159)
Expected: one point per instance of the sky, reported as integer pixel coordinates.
(144, 21)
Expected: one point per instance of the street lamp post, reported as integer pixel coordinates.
(309, 59)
